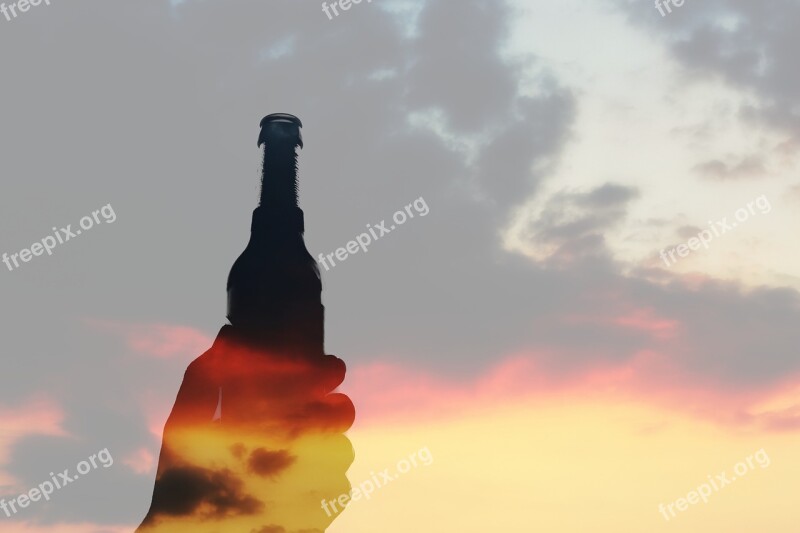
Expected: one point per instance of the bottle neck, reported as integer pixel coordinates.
(279, 180)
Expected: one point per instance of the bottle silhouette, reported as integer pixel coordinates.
(274, 288)
(255, 441)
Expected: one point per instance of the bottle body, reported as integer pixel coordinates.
(274, 288)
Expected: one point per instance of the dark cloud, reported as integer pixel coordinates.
(465, 55)
(752, 167)
(238, 450)
(687, 232)
(188, 491)
(270, 529)
(572, 225)
(533, 133)
(608, 195)
(749, 44)
(268, 463)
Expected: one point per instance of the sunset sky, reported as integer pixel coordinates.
(527, 332)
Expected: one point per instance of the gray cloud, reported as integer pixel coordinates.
(573, 224)
(752, 167)
(749, 44)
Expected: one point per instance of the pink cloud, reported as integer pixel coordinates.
(652, 374)
(142, 461)
(381, 390)
(385, 391)
(644, 320)
(159, 340)
(648, 321)
(39, 416)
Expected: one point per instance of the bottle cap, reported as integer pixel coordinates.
(281, 127)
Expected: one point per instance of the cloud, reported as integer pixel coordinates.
(39, 416)
(752, 167)
(748, 45)
(394, 393)
(268, 463)
(158, 340)
(471, 51)
(270, 529)
(140, 461)
(646, 320)
(206, 494)
(570, 226)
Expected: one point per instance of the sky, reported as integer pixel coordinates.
(595, 317)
